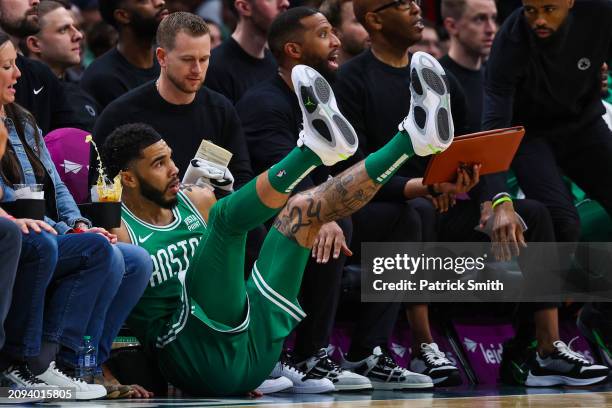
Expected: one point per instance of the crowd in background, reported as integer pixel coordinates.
(93, 65)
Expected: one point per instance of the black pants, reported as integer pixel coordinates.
(457, 225)
(319, 297)
(384, 222)
(586, 158)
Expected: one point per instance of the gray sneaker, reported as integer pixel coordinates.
(384, 373)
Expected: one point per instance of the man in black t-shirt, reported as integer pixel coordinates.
(58, 45)
(132, 62)
(272, 120)
(471, 25)
(38, 90)
(543, 73)
(178, 107)
(243, 60)
(372, 91)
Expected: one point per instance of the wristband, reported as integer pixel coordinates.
(432, 192)
(500, 195)
(501, 200)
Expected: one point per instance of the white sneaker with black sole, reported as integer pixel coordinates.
(302, 383)
(326, 131)
(272, 385)
(432, 362)
(321, 366)
(83, 391)
(384, 373)
(564, 367)
(429, 122)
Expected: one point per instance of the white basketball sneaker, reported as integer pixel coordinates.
(272, 385)
(326, 132)
(302, 383)
(83, 391)
(429, 122)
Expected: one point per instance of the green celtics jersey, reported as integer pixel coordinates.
(172, 248)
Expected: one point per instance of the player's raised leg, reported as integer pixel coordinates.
(277, 274)
(327, 138)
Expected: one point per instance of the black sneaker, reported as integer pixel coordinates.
(433, 362)
(516, 359)
(384, 373)
(564, 367)
(321, 366)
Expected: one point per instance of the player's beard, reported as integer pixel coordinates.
(144, 27)
(178, 84)
(22, 29)
(320, 65)
(152, 194)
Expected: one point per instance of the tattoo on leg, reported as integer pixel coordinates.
(337, 198)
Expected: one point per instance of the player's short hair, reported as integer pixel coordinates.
(126, 144)
(47, 6)
(453, 8)
(170, 26)
(107, 10)
(332, 9)
(287, 27)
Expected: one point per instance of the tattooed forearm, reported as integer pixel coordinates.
(337, 198)
(346, 193)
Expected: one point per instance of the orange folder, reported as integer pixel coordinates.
(493, 149)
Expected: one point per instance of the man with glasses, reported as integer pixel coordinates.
(373, 91)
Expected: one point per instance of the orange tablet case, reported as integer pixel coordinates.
(494, 149)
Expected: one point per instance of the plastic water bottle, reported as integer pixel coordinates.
(86, 360)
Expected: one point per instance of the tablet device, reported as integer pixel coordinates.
(493, 149)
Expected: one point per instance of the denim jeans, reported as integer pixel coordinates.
(10, 248)
(119, 295)
(25, 318)
(84, 277)
(84, 265)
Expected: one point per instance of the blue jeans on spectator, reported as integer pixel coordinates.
(125, 285)
(84, 265)
(84, 277)
(24, 325)
(10, 248)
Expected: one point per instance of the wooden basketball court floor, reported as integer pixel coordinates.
(466, 397)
